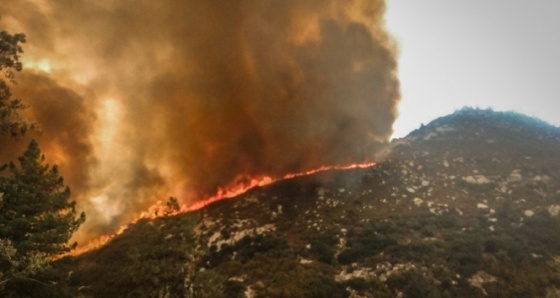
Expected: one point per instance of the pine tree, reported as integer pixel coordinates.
(36, 214)
(10, 121)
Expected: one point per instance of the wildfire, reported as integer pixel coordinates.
(237, 188)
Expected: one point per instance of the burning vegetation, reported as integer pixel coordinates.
(139, 101)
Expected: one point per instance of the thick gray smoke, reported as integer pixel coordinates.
(141, 100)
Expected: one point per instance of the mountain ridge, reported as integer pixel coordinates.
(452, 210)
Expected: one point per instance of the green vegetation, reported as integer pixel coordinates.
(142, 263)
(322, 248)
(37, 219)
(285, 277)
(36, 214)
(368, 243)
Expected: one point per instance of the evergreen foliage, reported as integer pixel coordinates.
(37, 219)
(10, 121)
(10, 49)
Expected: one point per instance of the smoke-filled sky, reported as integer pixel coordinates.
(498, 53)
(141, 100)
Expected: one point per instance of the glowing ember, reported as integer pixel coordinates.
(160, 210)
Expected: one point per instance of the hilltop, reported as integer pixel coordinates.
(465, 206)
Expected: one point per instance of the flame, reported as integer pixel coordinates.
(237, 188)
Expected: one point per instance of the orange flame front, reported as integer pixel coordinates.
(160, 210)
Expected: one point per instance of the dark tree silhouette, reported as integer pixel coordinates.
(10, 121)
(37, 219)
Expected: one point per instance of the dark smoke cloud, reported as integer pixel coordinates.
(64, 126)
(203, 92)
(64, 130)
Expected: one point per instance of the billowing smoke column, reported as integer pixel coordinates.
(141, 100)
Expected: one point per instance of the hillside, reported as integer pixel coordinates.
(466, 206)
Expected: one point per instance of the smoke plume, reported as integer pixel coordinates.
(142, 100)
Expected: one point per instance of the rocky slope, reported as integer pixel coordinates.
(466, 206)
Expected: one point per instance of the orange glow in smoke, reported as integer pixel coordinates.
(159, 209)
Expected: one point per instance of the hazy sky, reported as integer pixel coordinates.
(503, 54)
